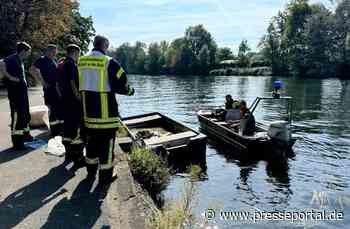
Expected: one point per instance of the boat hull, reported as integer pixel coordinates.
(264, 148)
(181, 145)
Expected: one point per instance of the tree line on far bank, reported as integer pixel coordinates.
(309, 40)
(303, 40)
(196, 53)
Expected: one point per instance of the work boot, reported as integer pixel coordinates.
(18, 143)
(68, 158)
(91, 171)
(79, 163)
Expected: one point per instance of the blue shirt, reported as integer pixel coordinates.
(15, 66)
(48, 69)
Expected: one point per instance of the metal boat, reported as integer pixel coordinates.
(273, 141)
(163, 134)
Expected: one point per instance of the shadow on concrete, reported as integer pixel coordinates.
(11, 154)
(23, 202)
(82, 210)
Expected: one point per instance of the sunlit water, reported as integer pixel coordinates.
(322, 161)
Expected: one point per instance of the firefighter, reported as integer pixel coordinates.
(45, 69)
(12, 67)
(100, 77)
(69, 85)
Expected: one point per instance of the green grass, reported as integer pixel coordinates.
(149, 170)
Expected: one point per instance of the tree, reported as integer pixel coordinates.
(80, 33)
(140, 57)
(164, 45)
(124, 55)
(204, 60)
(342, 20)
(296, 16)
(270, 47)
(153, 58)
(224, 54)
(37, 22)
(319, 42)
(196, 38)
(243, 50)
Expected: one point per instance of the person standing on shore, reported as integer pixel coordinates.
(73, 138)
(12, 67)
(100, 77)
(45, 70)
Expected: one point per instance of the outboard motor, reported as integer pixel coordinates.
(280, 130)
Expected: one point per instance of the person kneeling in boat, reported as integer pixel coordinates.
(247, 124)
(232, 116)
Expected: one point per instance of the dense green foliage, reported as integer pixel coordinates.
(194, 54)
(149, 170)
(42, 22)
(81, 31)
(309, 40)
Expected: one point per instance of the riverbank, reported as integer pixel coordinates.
(40, 191)
(256, 71)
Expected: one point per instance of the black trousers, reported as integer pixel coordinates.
(100, 153)
(55, 106)
(73, 131)
(19, 127)
(20, 116)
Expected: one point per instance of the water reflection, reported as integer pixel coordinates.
(277, 172)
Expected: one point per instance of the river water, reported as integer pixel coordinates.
(317, 178)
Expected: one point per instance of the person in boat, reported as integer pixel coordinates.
(233, 114)
(247, 119)
(229, 102)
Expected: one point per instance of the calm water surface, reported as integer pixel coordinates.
(318, 176)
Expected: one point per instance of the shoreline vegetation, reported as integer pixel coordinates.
(252, 71)
(303, 40)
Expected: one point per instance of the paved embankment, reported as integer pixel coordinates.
(40, 191)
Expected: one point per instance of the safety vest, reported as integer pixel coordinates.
(93, 72)
(95, 88)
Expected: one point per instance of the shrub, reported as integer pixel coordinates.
(149, 170)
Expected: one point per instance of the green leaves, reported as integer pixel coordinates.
(308, 40)
(195, 53)
(149, 170)
(80, 33)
